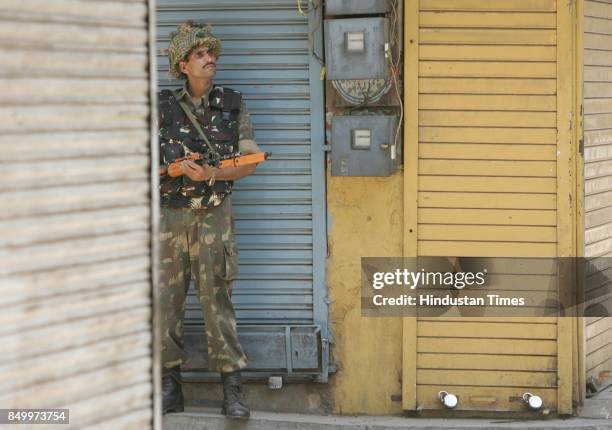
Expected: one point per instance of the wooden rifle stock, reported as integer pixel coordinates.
(244, 160)
(174, 169)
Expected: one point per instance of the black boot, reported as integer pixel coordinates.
(172, 392)
(233, 406)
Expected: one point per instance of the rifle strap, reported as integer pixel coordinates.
(194, 121)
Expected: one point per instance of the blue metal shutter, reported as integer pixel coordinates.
(280, 297)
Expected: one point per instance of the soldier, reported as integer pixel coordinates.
(196, 226)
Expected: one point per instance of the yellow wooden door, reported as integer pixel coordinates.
(489, 171)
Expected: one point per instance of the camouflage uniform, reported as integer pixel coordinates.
(196, 228)
(199, 242)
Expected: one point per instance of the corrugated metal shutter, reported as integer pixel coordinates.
(75, 308)
(487, 186)
(597, 59)
(280, 223)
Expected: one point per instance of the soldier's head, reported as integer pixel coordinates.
(193, 52)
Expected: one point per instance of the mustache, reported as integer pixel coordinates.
(210, 64)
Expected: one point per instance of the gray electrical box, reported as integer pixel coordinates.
(363, 145)
(355, 7)
(355, 48)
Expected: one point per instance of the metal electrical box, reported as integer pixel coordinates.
(355, 48)
(355, 7)
(363, 145)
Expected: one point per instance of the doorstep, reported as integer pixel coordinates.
(196, 418)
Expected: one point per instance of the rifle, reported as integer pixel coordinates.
(174, 170)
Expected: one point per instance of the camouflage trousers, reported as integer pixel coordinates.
(199, 243)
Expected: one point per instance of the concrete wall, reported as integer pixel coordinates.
(366, 220)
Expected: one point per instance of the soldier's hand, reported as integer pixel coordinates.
(197, 172)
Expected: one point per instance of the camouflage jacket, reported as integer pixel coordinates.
(223, 118)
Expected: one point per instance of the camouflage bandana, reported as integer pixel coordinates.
(187, 37)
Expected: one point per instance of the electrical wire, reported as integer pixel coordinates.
(401, 106)
(362, 92)
(300, 10)
(394, 15)
(315, 5)
(394, 65)
(311, 35)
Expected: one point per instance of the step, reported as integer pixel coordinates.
(209, 419)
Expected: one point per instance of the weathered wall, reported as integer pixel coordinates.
(366, 221)
(75, 229)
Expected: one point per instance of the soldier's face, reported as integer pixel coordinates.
(201, 64)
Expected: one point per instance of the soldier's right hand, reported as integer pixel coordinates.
(197, 172)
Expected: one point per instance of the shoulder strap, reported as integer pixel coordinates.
(195, 123)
